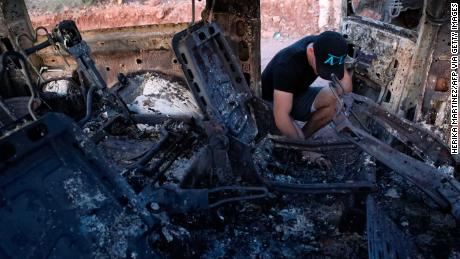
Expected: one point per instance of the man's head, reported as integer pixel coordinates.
(328, 54)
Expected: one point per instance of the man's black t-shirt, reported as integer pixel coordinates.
(289, 70)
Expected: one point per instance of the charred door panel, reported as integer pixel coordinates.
(388, 54)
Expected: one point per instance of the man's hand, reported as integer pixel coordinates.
(299, 131)
(282, 105)
(346, 82)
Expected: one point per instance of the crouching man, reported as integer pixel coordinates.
(287, 78)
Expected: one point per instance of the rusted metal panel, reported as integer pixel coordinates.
(125, 50)
(418, 68)
(416, 86)
(132, 49)
(433, 108)
(390, 50)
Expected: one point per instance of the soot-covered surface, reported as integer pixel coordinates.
(434, 233)
(289, 226)
(287, 166)
(280, 225)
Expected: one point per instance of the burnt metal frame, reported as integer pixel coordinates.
(441, 188)
(384, 238)
(422, 142)
(215, 78)
(364, 185)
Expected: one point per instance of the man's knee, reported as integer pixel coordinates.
(331, 100)
(325, 99)
(329, 109)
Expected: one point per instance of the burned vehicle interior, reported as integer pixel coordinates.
(153, 142)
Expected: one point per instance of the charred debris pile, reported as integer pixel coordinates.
(149, 168)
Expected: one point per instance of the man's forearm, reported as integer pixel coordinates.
(287, 126)
(346, 82)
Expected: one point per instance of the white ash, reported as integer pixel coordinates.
(111, 240)
(154, 206)
(161, 96)
(392, 193)
(80, 199)
(178, 169)
(60, 87)
(147, 128)
(405, 224)
(167, 234)
(368, 160)
(448, 170)
(438, 130)
(171, 231)
(295, 223)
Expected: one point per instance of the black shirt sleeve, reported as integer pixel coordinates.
(283, 80)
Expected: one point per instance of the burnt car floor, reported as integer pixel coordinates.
(118, 179)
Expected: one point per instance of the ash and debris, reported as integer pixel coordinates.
(434, 232)
(83, 200)
(60, 87)
(123, 150)
(439, 131)
(121, 128)
(124, 142)
(112, 237)
(157, 95)
(289, 226)
(110, 227)
(288, 166)
(280, 225)
(178, 169)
